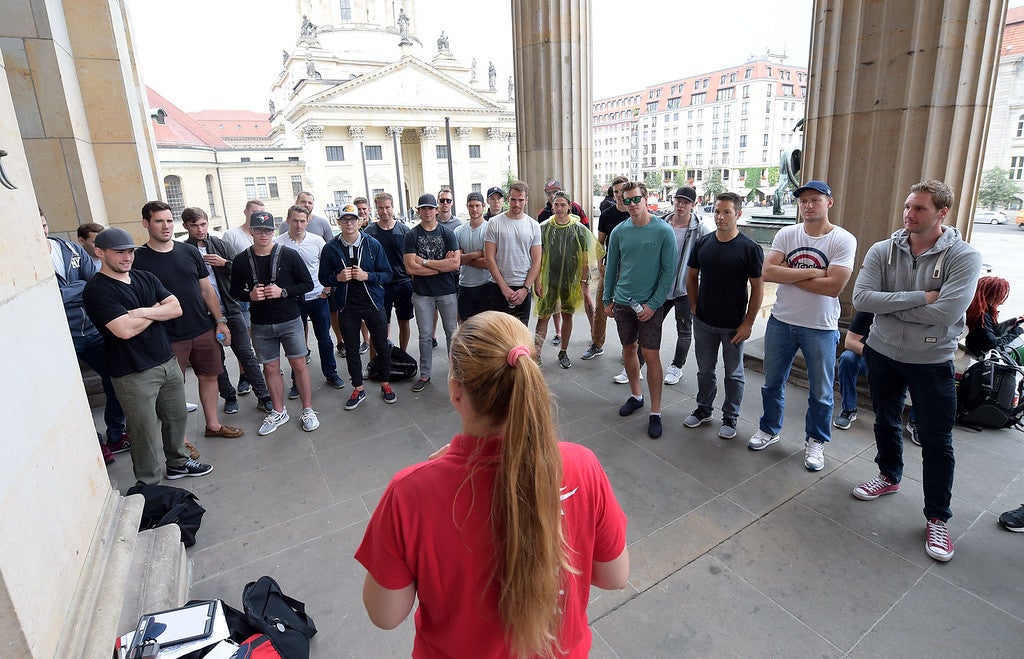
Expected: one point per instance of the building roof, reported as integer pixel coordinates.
(172, 126)
(234, 124)
(1013, 33)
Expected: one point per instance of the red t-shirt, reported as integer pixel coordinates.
(432, 527)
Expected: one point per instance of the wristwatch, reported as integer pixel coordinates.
(223, 320)
(284, 292)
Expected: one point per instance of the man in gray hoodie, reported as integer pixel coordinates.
(918, 283)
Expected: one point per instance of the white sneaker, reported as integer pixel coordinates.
(273, 421)
(814, 455)
(190, 407)
(761, 440)
(310, 422)
(672, 374)
(622, 378)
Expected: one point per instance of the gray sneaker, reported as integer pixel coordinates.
(761, 440)
(310, 422)
(592, 351)
(728, 429)
(697, 417)
(273, 421)
(844, 419)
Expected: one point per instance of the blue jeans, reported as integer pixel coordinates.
(90, 350)
(318, 312)
(934, 391)
(781, 341)
(851, 367)
(706, 342)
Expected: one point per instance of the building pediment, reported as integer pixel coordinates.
(408, 83)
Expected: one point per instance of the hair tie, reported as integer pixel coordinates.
(515, 353)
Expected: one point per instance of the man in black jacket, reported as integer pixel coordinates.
(218, 255)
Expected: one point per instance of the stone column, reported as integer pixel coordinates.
(430, 166)
(898, 93)
(315, 157)
(551, 42)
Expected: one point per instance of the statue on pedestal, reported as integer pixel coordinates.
(403, 27)
(442, 42)
(273, 108)
(284, 57)
(492, 76)
(472, 71)
(307, 30)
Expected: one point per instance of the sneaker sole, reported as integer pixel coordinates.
(811, 468)
(841, 427)
(310, 429)
(762, 447)
(585, 358)
(230, 410)
(864, 496)
(698, 424)
(349, 408)
(1012, 529)
(175, 477)
(389, 402)
(944, 558)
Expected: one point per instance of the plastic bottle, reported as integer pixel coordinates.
(635, 306)
(221, 337)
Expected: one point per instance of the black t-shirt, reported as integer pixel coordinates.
(433, 245)
(611, 217)
(861, 324)
(393, 242)
(106, 299)
(292, 276)
(180, 270)
(724, 271)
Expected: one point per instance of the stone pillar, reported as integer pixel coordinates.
(430, 166)
(898, 93)
(551, 42)
(81, 110)
(315, 157)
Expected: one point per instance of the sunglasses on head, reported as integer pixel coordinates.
(630, 201)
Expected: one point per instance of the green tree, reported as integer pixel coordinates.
(713, 184)
(598, 188)
(653, 182)
(773, 175)
(752, 178)
(679, 178)
(996, 188)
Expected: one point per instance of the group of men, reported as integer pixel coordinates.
(917, 284)
(156, 310)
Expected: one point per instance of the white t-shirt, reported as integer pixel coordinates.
(309, 249)
(796, 306)
(513, 240)
(238, 239)
(472, 240)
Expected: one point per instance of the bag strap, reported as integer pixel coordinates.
(275, 260)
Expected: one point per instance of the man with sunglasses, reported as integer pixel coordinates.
(446, 209)
(638, 276)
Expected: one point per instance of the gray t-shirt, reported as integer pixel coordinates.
(512, 240)
(472, 240)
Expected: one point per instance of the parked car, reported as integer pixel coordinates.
(1019, 221)
(989, 217)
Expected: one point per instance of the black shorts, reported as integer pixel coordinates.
(631, 330)
(398, 297)
(474, 300)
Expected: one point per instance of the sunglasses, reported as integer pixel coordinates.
(349, 218)
(630, 201)
(261, 230)
(445, 201)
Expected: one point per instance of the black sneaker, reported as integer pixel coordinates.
(844, 419)
(563, 360)
(231, 406)
(420, 385)
(699, 416)
(592, 351)
(341, 350)
(293, 393)
(336, 382)
(1013, 520)
(654, 426)
(914, 435)
(243, 387)
(309, 354)
(433, 343)
(190, 468)
(358, 396)
(364, 347)
(631, 405)
(265, 404)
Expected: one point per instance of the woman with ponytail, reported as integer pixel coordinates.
(501, 535)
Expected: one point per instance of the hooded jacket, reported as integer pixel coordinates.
(221, 274)
(78, 269)
(892, 285)
(370, 256)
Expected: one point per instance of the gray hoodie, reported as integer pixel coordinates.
(892, 285)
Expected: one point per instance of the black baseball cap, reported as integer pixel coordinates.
(115, 238)
(261, 220)
(495, 190)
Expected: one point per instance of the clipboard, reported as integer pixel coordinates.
(188, 623)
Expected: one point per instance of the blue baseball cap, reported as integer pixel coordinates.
(817, 186)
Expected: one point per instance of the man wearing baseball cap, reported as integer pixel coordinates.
(495, 201)
(550, 188)
(687, 229)
(811, 262)
(129, 308)
(475, 282)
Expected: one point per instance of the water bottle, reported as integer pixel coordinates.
(635, 306)
(221, 337)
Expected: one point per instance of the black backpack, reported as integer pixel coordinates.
(989, 394)
(281, 618)
(403, 367)
(170, 505)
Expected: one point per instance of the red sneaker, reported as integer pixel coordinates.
(108, 457)
(388, 394)
(875, 488)
(938, 545)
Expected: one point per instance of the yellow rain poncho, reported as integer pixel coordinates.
(568, 251)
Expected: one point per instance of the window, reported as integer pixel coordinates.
(296, 185)
(673, 103)
(474, 150)
(732, 77)
(746, 74)
(209, 196)
(1016, 170)
(725, 172)
(293, 159)
(272, 184)
(714, 112)
(476, 187)
(175, 197)
(246, 159)
(442, 151)
(342, 197)
(1020, 126)
(652, 106)
(787, 90)
(722, 80)
(700, 172)
(771, 88)
(725, 142)
(764, 156)
(697, 160)
(768, 106)
(250, 188)
(714, 143)
(743, 141)
(746, 91)
(769, 72)
(374, 152)
(346, 10)
(743, 109)
(765, 140)
(335, 153)
(261, 187)
(697, 99)
(727, 111)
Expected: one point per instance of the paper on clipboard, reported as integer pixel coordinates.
(219, 632)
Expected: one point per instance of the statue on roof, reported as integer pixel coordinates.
(273, 108)
(511, 89)
(403, 27)
(307, 29)
(442, 42)
(472, 71)
(492, 76)
(284, 57)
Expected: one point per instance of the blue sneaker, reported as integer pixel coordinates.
(358, 396)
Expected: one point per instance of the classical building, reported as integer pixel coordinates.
(200, 168)
(1005, 145)
(723, 121)
(371, 108)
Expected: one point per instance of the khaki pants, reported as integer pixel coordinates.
(154, 405)
(597, 336)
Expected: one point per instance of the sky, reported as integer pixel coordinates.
(225, 54)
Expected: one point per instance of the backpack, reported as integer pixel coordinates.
(403, 367)
(170, 505)
(279, 618)
(989, 394)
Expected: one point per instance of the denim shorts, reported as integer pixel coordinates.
(269, 339)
